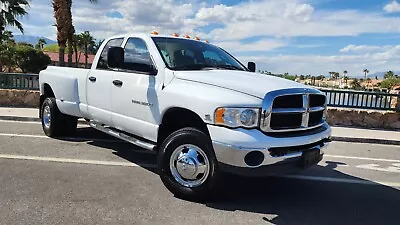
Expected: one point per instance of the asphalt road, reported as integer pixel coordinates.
(94, 179)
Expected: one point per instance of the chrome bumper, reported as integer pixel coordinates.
(235, 154)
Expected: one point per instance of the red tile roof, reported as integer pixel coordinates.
(54, 57)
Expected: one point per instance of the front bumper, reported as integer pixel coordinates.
(232, 145)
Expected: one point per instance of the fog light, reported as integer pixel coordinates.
(254, 158)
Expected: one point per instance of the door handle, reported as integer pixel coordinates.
(117, 83)
(93, 79)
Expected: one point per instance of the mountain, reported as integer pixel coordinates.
(32, 39)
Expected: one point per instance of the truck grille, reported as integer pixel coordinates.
(292, 110)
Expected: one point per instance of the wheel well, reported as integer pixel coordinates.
(47, 92)
(178, 118)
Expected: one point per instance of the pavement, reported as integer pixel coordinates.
(92, 178)
(345, 134)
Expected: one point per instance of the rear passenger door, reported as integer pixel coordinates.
(134, 100)
(99, 85)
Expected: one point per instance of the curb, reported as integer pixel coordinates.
(334, 138)
(30, 119)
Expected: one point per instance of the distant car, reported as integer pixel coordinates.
(196, 105)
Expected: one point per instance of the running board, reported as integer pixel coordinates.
(122, 136)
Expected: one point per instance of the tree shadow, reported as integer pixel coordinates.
(338, 199)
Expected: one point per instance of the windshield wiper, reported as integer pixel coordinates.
(206, 66)
(191, 67)
(229, 67)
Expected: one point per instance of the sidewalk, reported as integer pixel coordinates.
(338, 133)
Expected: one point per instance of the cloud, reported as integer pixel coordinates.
(319, 64)
(262, 45)
(392, 7)
(273, 23)
(364, 48)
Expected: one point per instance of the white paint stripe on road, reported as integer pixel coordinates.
(34, 122)
(26, 122)
(23, 135)
(362, 158)
(129, 164)
(79, 161)
(64, 138)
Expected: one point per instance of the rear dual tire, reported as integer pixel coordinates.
(55, 123)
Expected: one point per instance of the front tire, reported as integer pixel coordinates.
(55, 123)
(188, 166)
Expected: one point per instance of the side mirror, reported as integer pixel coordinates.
(251, 66)
(115, 57)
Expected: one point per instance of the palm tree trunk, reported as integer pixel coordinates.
(61, 52)
(76, 52)
(86, 56)
(1, 41)
(70, 51)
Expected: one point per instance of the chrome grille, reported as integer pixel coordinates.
(292, 110)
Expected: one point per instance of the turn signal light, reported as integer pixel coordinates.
(219, 116)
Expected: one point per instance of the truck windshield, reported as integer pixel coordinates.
(182, 54)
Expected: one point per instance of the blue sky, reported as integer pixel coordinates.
(295, 36)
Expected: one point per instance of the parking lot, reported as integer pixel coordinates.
(94, 179)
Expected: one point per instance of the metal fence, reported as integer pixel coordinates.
(19, 81)
(362, 99)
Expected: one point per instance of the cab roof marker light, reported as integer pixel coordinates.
(197, 38)
(175, 35)
(154, 32)
(186, 36)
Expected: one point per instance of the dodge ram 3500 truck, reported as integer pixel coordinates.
(198, 107)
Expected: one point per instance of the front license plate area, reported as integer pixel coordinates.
(310, 157)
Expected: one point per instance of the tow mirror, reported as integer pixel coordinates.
(251, 66)
(115, 57)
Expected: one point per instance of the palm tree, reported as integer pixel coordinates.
(10, 11)
(86, 40)
(366, 71)
(65, 28)
(41, 43)
(7, 38)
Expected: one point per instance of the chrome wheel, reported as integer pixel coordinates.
(46, 116)
(189, 165)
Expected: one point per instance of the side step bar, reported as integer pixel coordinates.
(122, 136)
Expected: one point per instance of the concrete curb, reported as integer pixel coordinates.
(334, 138)
(31, 119)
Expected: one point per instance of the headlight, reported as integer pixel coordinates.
(237, 117)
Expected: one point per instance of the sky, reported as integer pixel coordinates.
(294, 36)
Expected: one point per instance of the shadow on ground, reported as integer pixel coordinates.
(279, 201)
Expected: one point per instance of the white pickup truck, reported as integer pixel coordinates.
(198, 107)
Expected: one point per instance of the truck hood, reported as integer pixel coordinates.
(254, 84)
